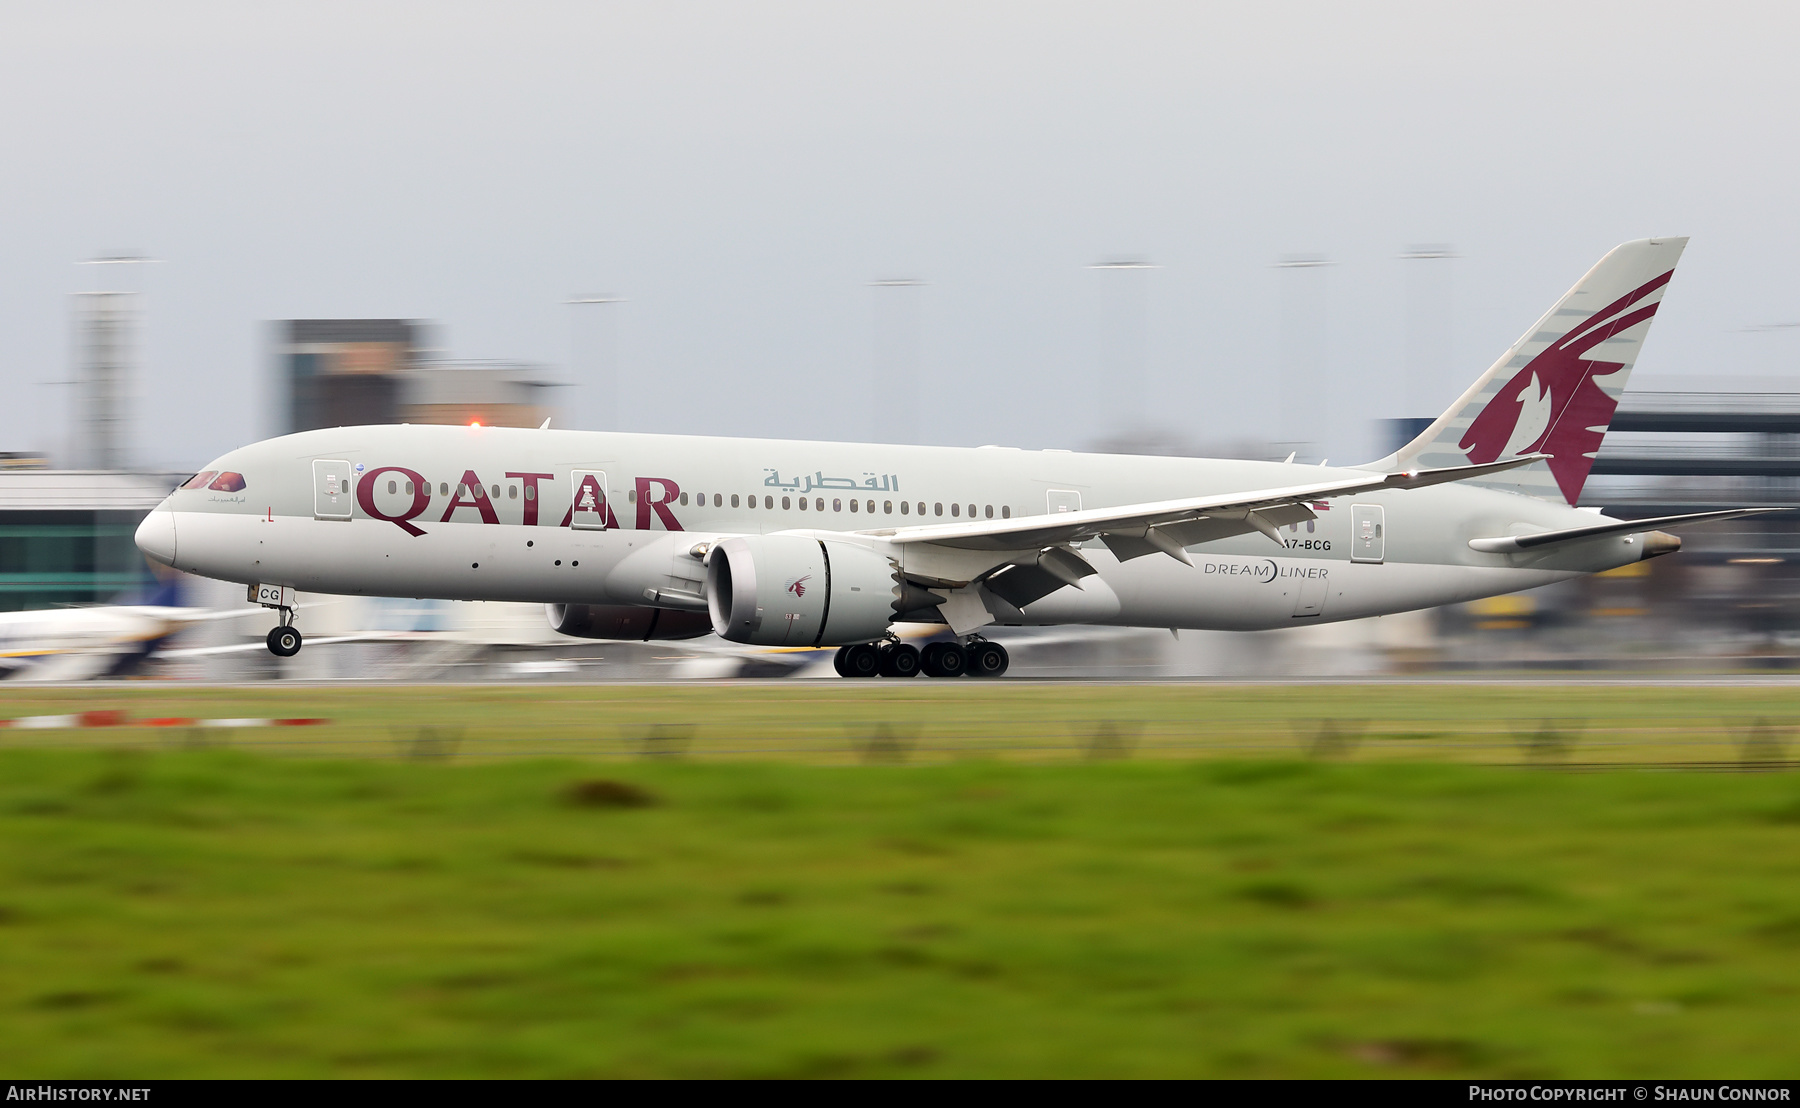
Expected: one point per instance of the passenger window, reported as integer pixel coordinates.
(769, 502)
(409, 488)
(444, 488)
(393, 486)
(734, 500)
(227, 482)
(904, 505)
(956, 509)
(803, 503)
(887, 507)
(631, 496)
(751, 501)
(990, 511)
(684, 499)
(200, 480)
(787, 503)
(869, 506)
(922, 508)
(818, 503)
(718, 501)
(1005, 512)
(971, 511)
(937, 509)
(837, 505)
(854, 506)
(512, 492)
(531, 492)
(496, 492)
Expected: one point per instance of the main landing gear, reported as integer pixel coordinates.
(284, 639)
(980, 658)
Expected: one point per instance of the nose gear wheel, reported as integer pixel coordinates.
(284, 641)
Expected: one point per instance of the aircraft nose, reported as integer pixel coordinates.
(156, 536)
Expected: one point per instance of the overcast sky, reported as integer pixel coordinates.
(741, 172)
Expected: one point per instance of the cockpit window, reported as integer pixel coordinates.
(199, 480)
(228, 482)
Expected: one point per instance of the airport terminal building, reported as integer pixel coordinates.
(66, 535)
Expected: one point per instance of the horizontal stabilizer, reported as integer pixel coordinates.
(1514, 544)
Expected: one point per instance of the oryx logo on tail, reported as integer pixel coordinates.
(1555, 404)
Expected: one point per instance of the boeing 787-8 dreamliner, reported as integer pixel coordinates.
(787, 543)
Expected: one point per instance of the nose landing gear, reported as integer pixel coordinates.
(284, 639)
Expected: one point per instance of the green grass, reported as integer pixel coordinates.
(935, 721)
(1210, 910)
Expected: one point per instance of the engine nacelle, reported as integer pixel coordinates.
(785, 590)
(626, 621)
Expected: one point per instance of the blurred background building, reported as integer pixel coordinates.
(344, 372)
(66, 535)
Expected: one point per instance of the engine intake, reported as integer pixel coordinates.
(625, 621)
(786, 590)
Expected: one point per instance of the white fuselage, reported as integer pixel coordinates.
(393, 510)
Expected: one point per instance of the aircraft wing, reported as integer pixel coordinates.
(1168, 525)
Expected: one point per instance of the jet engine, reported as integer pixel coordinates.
(625, 621)
(785, 590)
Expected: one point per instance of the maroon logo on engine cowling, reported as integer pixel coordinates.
(1570, 412)
(798, 586)
(365, 497)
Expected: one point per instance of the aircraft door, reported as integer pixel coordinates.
(1062, 500)
(1367, 541)
(589, 500)
(333, 497)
